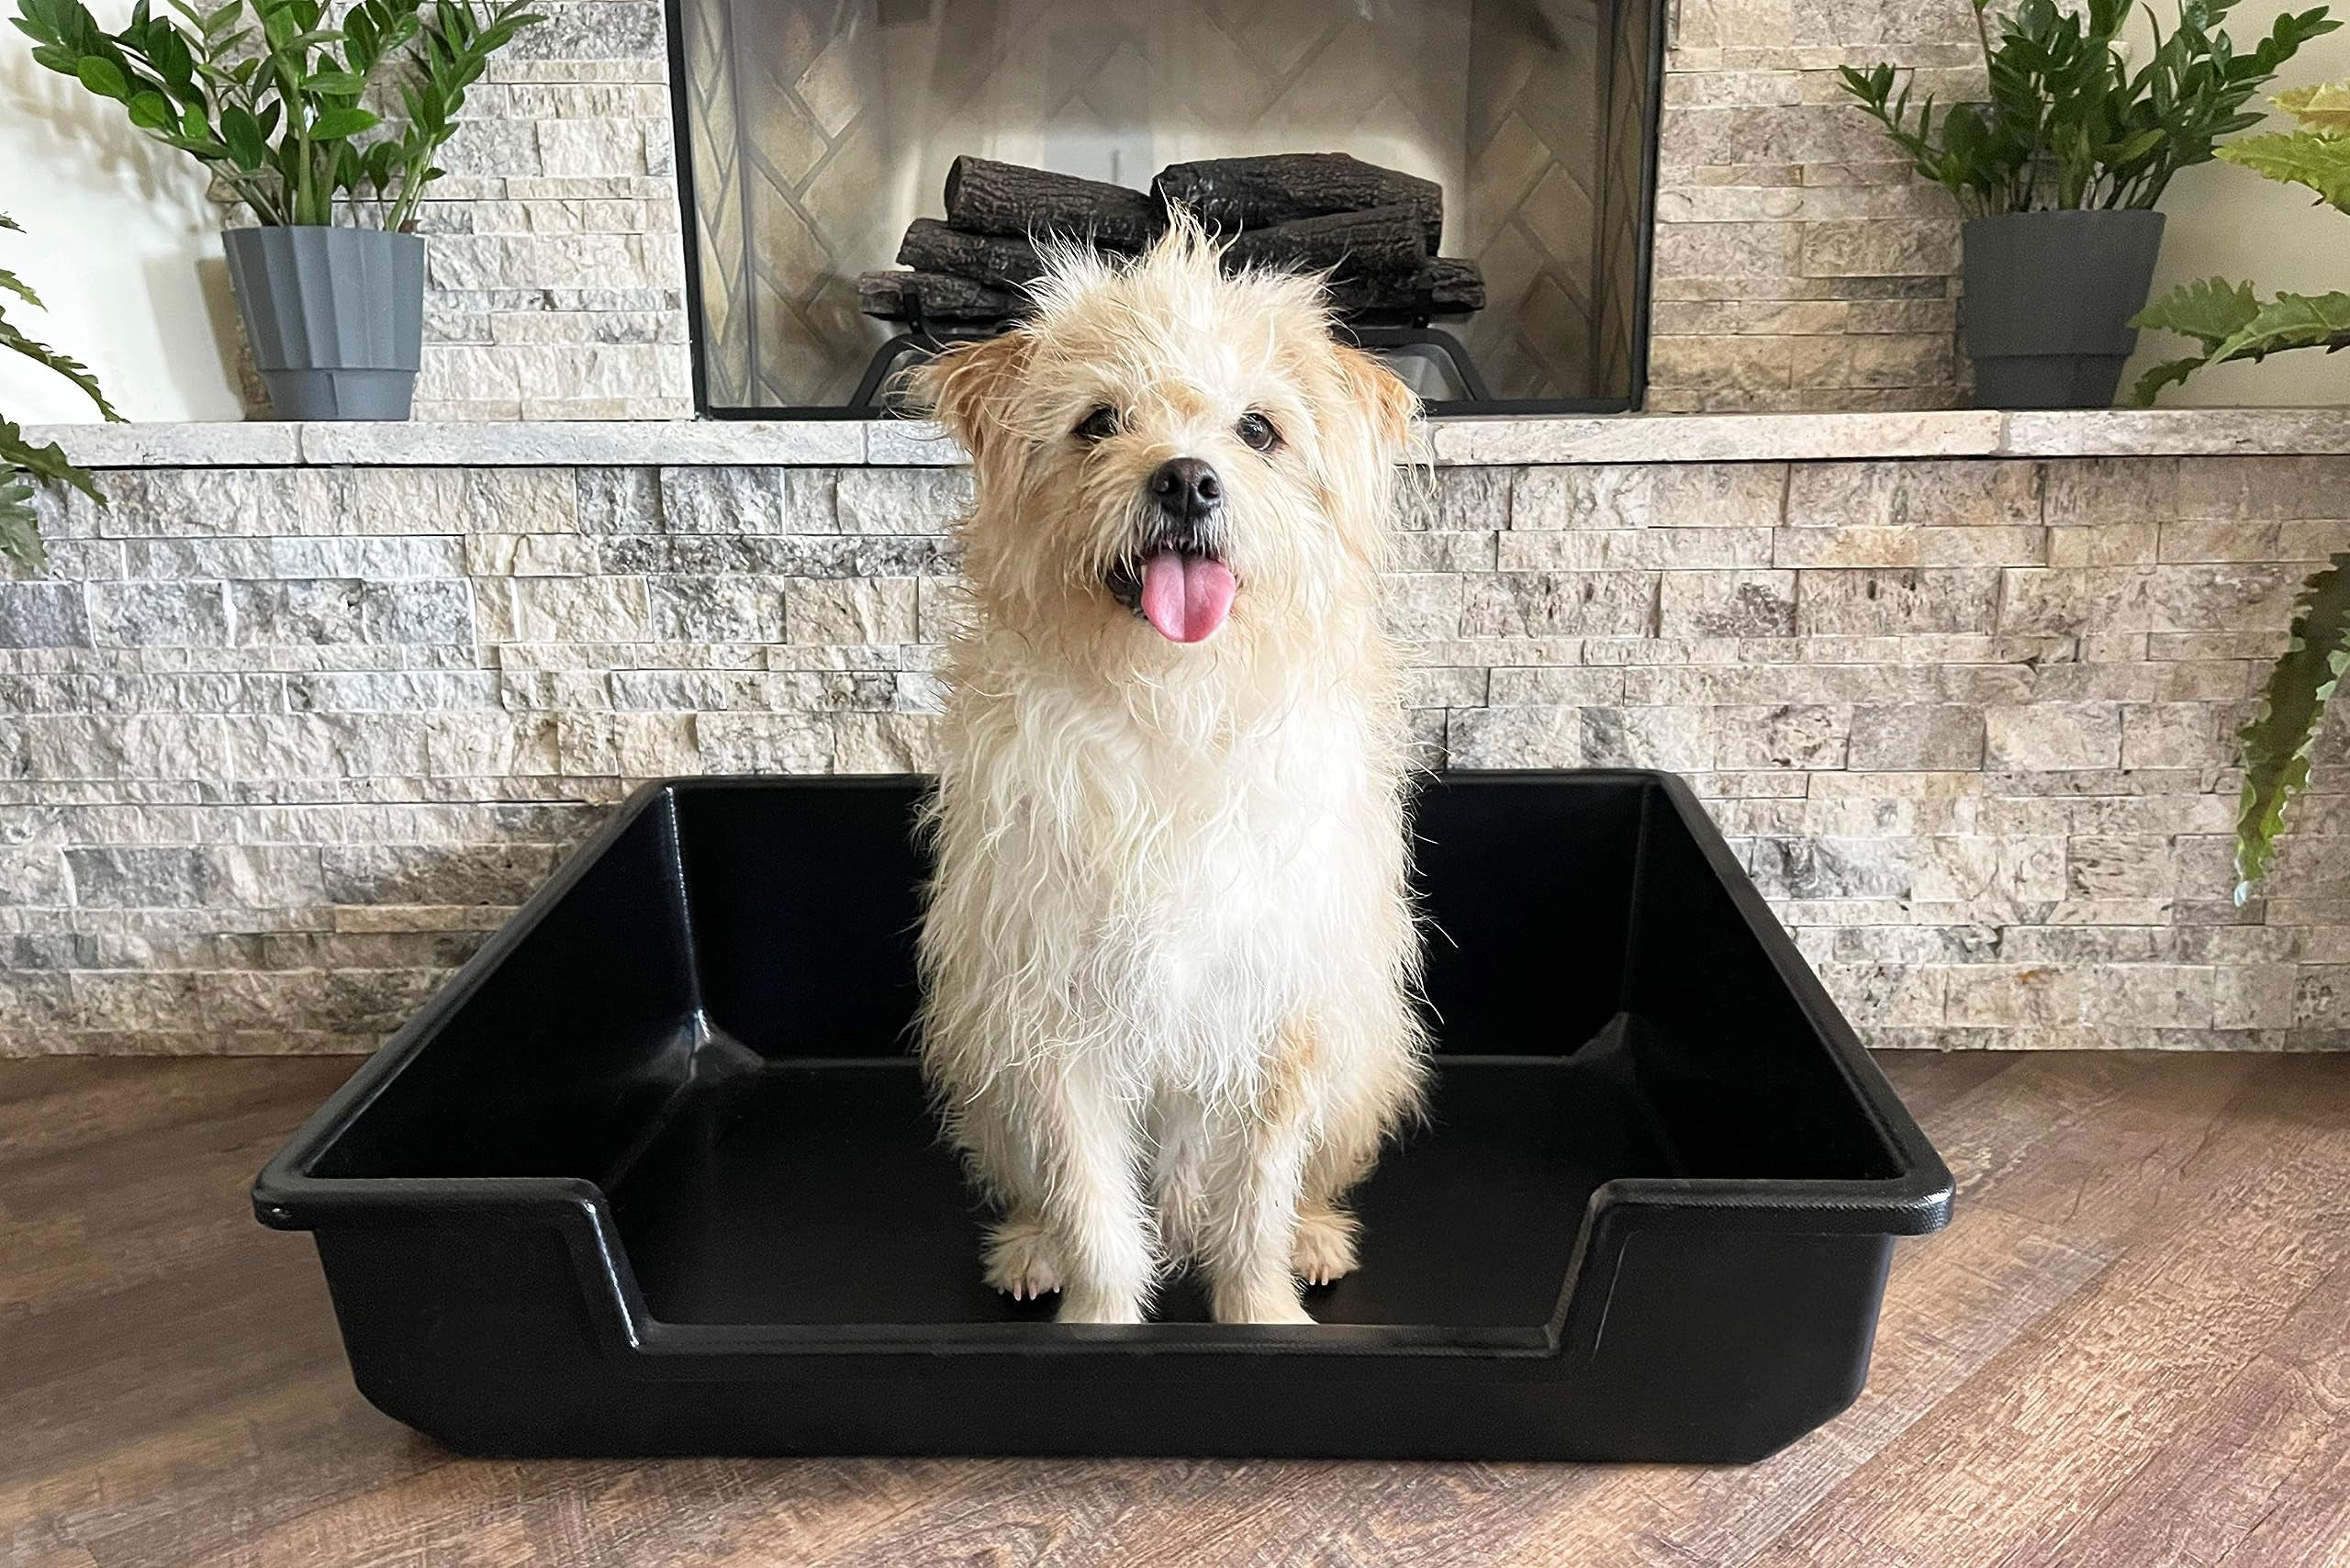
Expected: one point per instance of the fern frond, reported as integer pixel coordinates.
(73, 369)
(2211, 311)
(2170, 372)
(47, 463)
(20, 527)
(2276, 744)
(2290, 321)
(2325, 107)
(2307, 158)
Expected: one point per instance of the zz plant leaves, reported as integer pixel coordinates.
(2067, 123)
(275, 96)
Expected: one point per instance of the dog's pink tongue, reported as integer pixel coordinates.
(1186, 597)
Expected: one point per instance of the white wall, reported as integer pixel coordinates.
(2224, 221)
(122, 245)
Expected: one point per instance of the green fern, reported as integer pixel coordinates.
(2325, 107)
(20, 526)
(73, 369)
(2232, 324)
(2229, 321)
(2276, 744)
(2210, 312)
(25, 467)
(2319, 158)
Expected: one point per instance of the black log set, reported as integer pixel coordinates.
(1375, 232)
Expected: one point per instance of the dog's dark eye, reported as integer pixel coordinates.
(1099, 425)
(1258, 431)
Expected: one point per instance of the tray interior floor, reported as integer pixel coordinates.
(820, 1192)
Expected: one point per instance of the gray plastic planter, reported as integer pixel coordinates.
(335, 318)
(2049, 297)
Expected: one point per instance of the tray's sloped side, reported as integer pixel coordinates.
(1727, 1308)
(547, 1058)
(1770, 1101)
(1525, 887)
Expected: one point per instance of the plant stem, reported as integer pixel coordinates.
(396, 216)
(254, 195)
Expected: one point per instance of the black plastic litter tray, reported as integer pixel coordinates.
(654, 1173)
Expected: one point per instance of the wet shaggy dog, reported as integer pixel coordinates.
(1167, 954)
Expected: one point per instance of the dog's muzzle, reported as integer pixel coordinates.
(1176, 579)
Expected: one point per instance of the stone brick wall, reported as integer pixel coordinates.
(554, 279)
(279, 744)
(1797, 266)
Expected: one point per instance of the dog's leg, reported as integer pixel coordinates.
(1018, 1258)
(1090, 1202)
(1362, 1109)
(1253, 1189)
(1324, 1252)
(1059, 1154)
(1179, 1144)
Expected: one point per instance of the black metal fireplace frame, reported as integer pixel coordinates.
(1644, 246)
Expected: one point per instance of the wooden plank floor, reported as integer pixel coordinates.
(2132, 1348)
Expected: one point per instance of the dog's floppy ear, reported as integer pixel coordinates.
(967, 387)
(1389, 407)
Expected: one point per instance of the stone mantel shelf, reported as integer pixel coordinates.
(1504, 439)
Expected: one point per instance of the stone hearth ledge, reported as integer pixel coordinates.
(1465, 442)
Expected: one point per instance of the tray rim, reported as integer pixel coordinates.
(1915, 1201)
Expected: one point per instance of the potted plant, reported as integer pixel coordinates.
(24, 467)
(272, 95)
(2058, 175)
(2229, 321)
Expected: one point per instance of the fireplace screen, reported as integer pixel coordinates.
(865, 177)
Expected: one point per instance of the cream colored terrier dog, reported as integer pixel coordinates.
(1167, 954)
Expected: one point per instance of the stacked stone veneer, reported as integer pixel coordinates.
(1798, 264)
(555, 280)
(279, 745)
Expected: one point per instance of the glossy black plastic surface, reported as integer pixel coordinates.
(654, 1173)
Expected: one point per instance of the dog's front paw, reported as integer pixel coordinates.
(1264, 1306)
(1323, 1251)
(1019, 1260)
(1098, 1307)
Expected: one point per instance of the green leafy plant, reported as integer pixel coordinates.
(2068, 124)
(24, 467)
(2229, 321)
(271, 95)
(2275, 747)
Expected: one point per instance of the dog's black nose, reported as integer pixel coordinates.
(1185, 486)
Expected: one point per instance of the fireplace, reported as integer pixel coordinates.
(863, 177)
